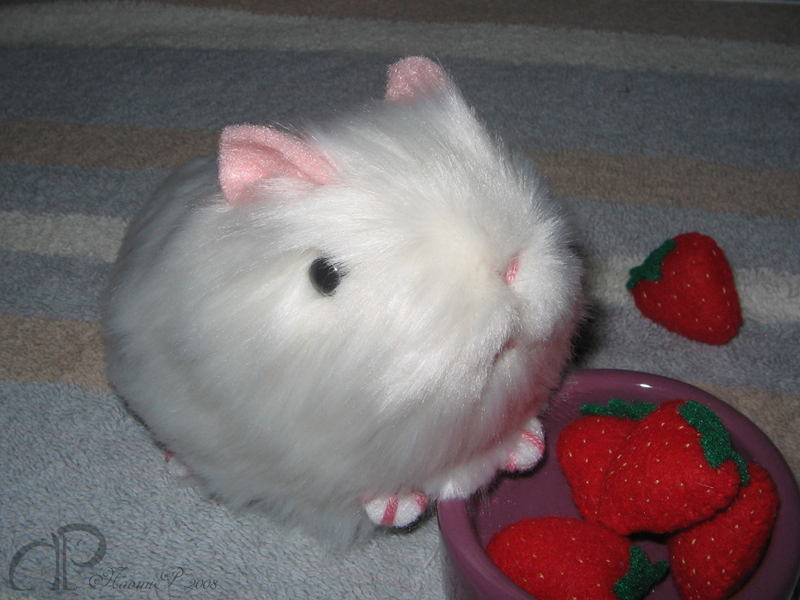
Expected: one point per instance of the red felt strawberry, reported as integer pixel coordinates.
(587, 446)
(561, 558)
(676, 468)
(713, 560)
(686, 285)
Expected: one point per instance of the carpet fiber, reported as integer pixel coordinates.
(648, 119)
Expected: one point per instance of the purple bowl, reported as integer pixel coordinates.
(468, 525)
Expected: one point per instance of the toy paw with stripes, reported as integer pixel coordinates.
(396, 510)
(529, 448)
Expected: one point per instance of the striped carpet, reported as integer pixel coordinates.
(648, 119)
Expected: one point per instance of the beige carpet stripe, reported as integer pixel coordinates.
(776, 414)
(34, 349)
(55, 143)
(150, 24)
(672, 181)
(72, 235)
(635, 179)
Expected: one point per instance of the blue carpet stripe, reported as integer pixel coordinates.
(736, 121)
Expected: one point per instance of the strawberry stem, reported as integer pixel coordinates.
(619, 408)
(714, 438)
(650, 269)
(642, 575)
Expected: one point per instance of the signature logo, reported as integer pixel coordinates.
(58, 543)
(111, 577)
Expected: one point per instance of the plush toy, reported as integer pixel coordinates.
(675, 468)
(342, 325)
(714, 559)
(671, 469)
(561, 558)
(687, 286)
(587, 446)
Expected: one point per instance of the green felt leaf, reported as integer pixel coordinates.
(619, 408)
(650, 269)
(642, 575)
(714, 438)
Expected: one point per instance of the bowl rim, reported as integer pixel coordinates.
(469, 561)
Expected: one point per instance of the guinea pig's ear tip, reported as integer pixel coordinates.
(249, 153)
(414, 76)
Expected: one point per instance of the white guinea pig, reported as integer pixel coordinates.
(343, 325)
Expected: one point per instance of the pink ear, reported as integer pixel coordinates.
(416, 75)
(248, 153)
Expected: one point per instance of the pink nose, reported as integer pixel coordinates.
(511, 271)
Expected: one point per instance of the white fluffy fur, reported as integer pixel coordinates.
(276, 395)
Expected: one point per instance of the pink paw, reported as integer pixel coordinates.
(396, 510)
(176, 467)
(529, 448)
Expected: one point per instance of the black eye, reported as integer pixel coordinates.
(325, 276)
